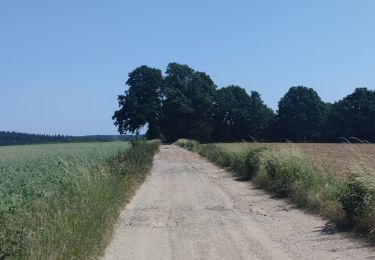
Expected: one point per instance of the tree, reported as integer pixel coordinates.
(353, 116)
(260, 117)
(300, 115)
(187, 104)
(239, 116)
(141, 105)
(231, 114)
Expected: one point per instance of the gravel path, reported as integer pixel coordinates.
(190, 209)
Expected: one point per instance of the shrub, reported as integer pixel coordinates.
(187, 144)
(253, 162)
(238, 164)
(286, 171)
(358, 200)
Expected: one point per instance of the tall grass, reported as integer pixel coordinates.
(290, 173)
(59, 201)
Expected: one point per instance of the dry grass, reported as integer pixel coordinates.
(335, 180)
(338, 159)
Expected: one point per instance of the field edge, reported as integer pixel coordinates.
(349, 204)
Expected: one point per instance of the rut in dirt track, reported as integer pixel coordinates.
(190, 209)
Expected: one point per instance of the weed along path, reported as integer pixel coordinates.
(190, 209)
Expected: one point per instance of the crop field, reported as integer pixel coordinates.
(341, 160)
(336, 181)
(58, 200)
(95, 151)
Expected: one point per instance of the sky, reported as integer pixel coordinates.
(63, 63)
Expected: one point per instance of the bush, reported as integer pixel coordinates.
(287, 171)
(253, 162)
(187, 144)
(238, 164)
(358, 200)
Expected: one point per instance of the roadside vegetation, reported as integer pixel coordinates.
(61, 200)
(288, 171)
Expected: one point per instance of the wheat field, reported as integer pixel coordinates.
(341, 159)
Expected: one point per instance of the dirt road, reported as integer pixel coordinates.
(190, 209)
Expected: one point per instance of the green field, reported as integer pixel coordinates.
(94, 151)
(58, 200)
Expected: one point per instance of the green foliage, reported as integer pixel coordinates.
(141, 103)
(300, 115)
(231, 117)
(285, 170)
(238, 116)
(260, 117)
(358, 200)
(16, 138)
(187, 104)
(353, 116)
(254, 161)
(55, 195)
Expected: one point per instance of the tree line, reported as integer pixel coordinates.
(184, 103)
(16, 138)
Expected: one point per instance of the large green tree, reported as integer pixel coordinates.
(187, 104)
(353, 116)
(141, 104)
(231, 115)
(300, 115)
(239, 116)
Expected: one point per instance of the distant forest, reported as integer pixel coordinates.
(184, 103)
(15, 138)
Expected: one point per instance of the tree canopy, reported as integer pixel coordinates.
(187, 104)
(261, 117)
(184, 103)
(231, 115)
(141, 103)
(238, 116)
(353, 116)
(300, 114)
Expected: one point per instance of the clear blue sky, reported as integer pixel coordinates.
(63, 63)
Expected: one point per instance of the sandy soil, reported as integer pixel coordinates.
(190, 209)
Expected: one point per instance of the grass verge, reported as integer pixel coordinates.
(290, 173)
(64, 208)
